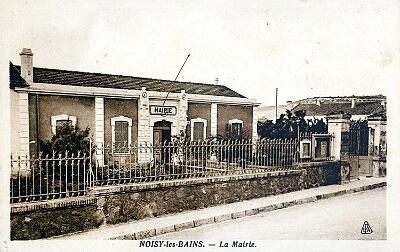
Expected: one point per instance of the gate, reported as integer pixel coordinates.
(360, 139)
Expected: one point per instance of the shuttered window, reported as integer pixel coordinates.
(198, 131)
(121, 134)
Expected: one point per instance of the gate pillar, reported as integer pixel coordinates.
(339, 127)
(377, 148)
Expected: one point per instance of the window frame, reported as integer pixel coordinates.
(120, 119)
(198, 120)
(235, 121)
(62, 117)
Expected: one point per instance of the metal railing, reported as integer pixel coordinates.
(51, 176)
(61, 175)
(144, 163)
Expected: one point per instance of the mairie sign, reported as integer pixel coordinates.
(162, 110)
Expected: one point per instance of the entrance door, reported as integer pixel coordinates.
(161, 137)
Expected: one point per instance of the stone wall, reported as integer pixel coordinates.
(117, 204)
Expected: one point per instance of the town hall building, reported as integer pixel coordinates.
(120, 109)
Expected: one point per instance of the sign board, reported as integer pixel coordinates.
(162, 110)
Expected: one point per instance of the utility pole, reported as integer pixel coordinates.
(276, 104)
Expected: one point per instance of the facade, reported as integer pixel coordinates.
(119, 109)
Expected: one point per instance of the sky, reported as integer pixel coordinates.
(305, 48)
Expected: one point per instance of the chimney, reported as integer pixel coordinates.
(318, 102)
(216, 81)
(27, 64)
(353, 103)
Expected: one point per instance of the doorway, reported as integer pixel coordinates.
(161, 137)
(161, 133)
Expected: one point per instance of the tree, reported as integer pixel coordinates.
(288, 125)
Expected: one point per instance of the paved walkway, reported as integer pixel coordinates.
(170, 223)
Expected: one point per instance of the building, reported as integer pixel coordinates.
(359, 107)
(119, 109)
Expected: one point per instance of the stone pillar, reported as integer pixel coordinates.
(377, 150)
(99, 141)
(254, 137)
(182, 110)
(144, 127)
(214, 119)
(254, 127)
(339, 127)
(23, 127)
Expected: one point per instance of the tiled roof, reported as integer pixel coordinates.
(360, 108)
(75, 78)
(15, 77)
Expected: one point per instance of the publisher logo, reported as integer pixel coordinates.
(366, 228)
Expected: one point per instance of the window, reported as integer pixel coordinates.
(121, 127)
(322, 148)
(235, 127)
(62, 123)
(121, 133)
(305, 148)
(61, 120)
(198, 129)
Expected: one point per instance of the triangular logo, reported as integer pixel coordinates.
(366, 228)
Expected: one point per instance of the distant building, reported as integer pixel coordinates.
(359, 107)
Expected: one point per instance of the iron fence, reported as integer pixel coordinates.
(65, 174)
(51, 176)
(143, 163)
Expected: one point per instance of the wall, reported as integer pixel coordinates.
(116, 204)
(201, 110)
(51, 105)
(228, 112)
(120, 107)
(14, 124)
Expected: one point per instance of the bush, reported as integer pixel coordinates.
(68, 138)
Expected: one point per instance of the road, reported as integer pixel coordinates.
(335, 218)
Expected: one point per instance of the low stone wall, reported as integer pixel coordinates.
(116, 204)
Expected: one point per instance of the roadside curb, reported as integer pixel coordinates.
(147, 233)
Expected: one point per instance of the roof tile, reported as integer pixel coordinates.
(75, 78)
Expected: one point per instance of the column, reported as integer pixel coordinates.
(254, 137)
(214, 119)
(23, 132)
(377, 125)
(339, 127)
(99, 141)
(144, 154)
(183, 107)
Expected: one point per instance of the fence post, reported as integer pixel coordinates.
(377, 126)
(339, 127)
